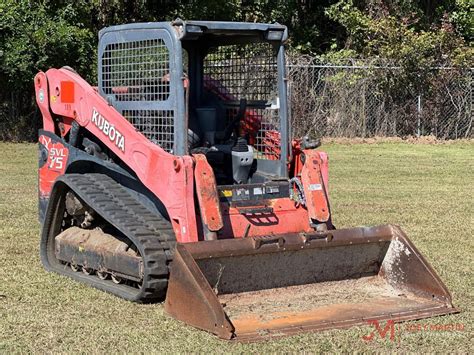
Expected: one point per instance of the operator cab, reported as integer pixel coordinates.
(212, 88)
(233, 101)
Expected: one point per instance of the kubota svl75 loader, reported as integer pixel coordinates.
(176, 177)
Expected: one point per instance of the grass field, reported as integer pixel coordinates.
(427, 189)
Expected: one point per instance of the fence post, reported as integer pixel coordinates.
(468, 131)
(418, 130)
(364, 111)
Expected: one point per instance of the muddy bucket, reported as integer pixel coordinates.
(271, 286)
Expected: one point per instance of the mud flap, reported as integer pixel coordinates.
(271, 286)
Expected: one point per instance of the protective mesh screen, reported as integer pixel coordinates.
(157, 126)
(136, 71)
(139, 71)
(248, 71)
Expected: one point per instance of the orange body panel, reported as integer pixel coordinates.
(285, 218)
(315, 186)
(206, 191)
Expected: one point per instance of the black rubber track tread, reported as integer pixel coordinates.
(150, 233)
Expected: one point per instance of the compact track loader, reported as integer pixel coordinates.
(177, 178)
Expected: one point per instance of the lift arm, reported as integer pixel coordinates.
(64, 97)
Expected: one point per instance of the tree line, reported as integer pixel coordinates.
(415, 35)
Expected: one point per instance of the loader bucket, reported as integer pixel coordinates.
(271, 286)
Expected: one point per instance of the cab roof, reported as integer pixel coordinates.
(202, 30)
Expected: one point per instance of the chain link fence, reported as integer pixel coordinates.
(368, 100)
(336, 101)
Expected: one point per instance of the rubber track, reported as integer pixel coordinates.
(151, 233)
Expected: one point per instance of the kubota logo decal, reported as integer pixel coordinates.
(108, 129)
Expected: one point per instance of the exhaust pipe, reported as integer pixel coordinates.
(251, 288)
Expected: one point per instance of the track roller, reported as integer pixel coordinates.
(102, 275)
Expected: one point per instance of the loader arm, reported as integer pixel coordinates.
(64, 97)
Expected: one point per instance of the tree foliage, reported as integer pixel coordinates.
(39, 34)
(402, 35)
(399, 34)
(35, 38)
(32, 39)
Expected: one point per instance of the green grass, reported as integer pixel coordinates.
(427, 189)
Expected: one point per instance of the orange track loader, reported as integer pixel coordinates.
(176, 178)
